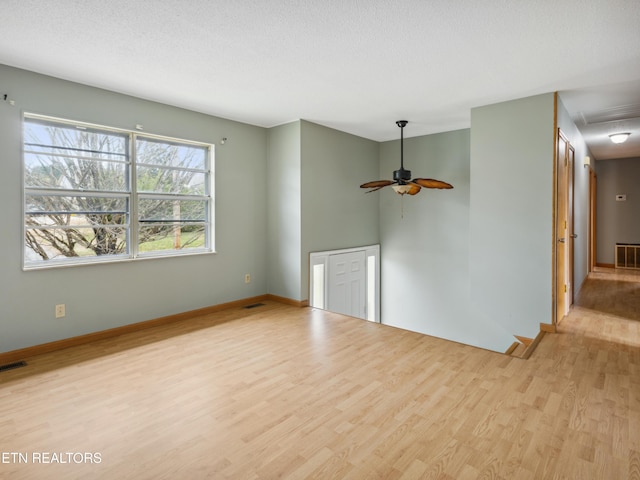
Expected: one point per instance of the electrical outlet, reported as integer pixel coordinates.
(60, 310)
(247, 278)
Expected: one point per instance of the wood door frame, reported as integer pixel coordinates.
(559, 267)
(571, 237)
(593, 184)
(565, 301)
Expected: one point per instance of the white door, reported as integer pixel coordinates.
(347, 283)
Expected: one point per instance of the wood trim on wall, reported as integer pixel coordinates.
(15, 355)
(548, 327)
(288, 301)
(606, 265)
(554, 212)
(532, 346)
(571, 220)
(593, 191)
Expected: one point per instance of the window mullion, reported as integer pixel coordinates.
(172, 196)
(65, 192)
(133, 198)
(211, 200)
(169, 167)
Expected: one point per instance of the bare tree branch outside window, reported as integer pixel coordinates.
(79, 193)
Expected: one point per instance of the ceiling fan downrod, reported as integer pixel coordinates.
(402, 176)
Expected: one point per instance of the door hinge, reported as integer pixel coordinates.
(565, 288)
(565, 224)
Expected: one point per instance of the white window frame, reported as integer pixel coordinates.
(131, 194)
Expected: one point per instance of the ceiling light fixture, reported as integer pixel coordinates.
(402, 189)
(619, 137)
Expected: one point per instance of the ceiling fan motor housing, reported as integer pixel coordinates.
(402, 175)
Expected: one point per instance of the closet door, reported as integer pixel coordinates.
(347, 284)
(564, 226)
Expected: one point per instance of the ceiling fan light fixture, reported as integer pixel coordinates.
(619, 137)
(401, 189)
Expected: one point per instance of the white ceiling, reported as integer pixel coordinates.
(357, 66)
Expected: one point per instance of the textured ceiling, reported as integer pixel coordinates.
(357, 66)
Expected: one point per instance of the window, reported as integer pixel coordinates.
(95, 194)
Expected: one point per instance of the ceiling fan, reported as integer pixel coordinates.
(402, 183)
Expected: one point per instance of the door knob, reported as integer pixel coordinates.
(574, 235)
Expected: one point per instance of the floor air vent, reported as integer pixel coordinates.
(11, 366)
(254, 305)
(628, 255)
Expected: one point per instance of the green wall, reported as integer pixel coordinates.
(425, 241)
(314, 200)
(284, 212)
(472, 264)
(336, 213)
(511, 214)
(99, 297)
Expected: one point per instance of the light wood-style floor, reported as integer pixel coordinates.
(283, 392)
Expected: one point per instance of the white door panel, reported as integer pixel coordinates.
(347, 283)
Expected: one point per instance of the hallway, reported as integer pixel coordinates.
(595, 356)
(607, 307)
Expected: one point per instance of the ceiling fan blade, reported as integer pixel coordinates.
(375, 189)
(431, 183)
(377, 184)
(415, 188)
